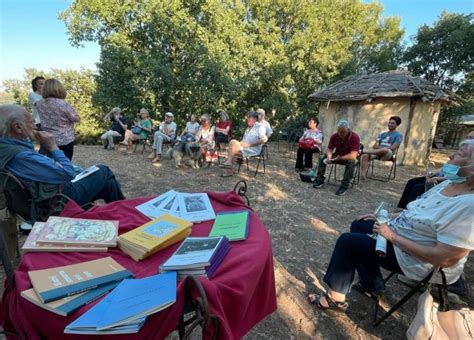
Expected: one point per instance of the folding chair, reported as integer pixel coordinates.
(393, 168)
(260, 158)
(143, 141)
(355, 179)
(420, 286)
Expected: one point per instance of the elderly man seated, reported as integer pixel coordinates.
(343, 149)
(54, 173)
(436, 230)
(264, 122)
(384, 147)
(251, 144)
(166, 134)
(117, 128)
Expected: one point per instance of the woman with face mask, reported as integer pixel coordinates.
(436, 230)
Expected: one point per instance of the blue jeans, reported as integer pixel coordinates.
(100, 185)
(356, 251)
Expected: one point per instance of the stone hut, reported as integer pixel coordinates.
(367, 101)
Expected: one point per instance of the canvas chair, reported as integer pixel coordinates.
(393, 168)
(260, 158)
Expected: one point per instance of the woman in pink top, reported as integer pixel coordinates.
(57, 116)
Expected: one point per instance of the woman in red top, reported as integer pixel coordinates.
(223, 129)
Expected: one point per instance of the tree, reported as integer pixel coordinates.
(194, 56)
(80, 87)
(443, 53)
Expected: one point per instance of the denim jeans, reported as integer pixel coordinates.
(350, 166)
(356, 251)
(100, 185)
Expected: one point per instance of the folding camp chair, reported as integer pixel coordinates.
(260, 158)
(393, 168)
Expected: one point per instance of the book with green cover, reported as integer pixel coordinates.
(232, 224)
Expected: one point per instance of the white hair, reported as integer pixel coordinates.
(143, 110)
(343, 124)
(470, 149)
(261, 112)
(10, 114)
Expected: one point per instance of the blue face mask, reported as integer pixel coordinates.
(451, 172)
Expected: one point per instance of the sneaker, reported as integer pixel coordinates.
(341, 191)
(318, 183)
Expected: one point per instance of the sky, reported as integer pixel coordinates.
(31, 35)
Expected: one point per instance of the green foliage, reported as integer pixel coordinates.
(195, 56)
(444, 54)
(80, 87)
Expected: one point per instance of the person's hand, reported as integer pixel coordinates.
(244, 144)
(336, 159)
(46, 139)
(384, 230)
(367, 217)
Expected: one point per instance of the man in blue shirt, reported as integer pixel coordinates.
(385, 146)
(39, 172)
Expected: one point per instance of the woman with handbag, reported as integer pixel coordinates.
(308, 144)
(436, 230)
(140, 130)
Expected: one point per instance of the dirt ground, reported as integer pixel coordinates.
(304, 224)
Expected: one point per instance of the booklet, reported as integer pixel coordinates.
(232, 224)
(194, 252)
(89, 171)
(79, 232)
(31, 245)
(195, 207)
(128, 305)
(155, 207)
(55, 283)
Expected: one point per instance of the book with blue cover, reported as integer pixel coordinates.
(58, 282)
(127, 306)
(69, 304)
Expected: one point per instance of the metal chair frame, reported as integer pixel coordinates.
(260, 157)
(354, 181)
(393, 168)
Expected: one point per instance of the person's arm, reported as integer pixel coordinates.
(224, 131)
(124, 126)
(441, 254)
(107, 116)
(146, 126)
(71, 114)
(394, 146)
(30, 165)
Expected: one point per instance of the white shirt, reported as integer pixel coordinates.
(192, 128)
(268, 128)
(252, 135)
(33, 98)
(168, 129)
(433, 218)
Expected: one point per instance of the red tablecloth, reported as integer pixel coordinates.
(240, 294)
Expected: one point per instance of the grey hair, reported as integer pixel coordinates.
(143, 110)
(206, 117)
(261, 112)
(10, 114)
(224, 115)
(343, 124)
(470, 149)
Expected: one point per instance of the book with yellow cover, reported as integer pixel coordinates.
(55, 283)
(154, 236)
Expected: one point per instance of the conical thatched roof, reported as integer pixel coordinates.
(386, 84)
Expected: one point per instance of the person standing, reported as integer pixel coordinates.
(57, 116)
(34, 97)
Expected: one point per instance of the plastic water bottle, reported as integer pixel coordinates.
(312, 174)
(381, 242)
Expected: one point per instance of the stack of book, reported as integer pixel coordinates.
(63, 234)
(126, 308)
(198, 256)
(63, 290)
(153, 236)
(195, 207)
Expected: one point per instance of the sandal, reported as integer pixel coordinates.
(315, 299)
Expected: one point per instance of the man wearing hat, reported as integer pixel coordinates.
(251, 144)
(166, 134)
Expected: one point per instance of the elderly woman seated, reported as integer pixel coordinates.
(436, 230)
(308, 144)
(205, 137)
(140, 130)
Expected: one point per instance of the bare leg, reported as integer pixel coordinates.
(364, 165)
(234, 150)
